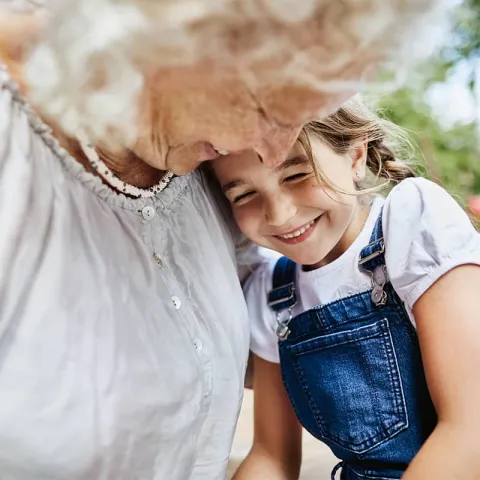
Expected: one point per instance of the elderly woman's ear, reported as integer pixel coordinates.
(19, 32)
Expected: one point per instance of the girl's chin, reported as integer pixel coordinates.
(307, 260)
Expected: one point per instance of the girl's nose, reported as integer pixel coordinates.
(279, 210)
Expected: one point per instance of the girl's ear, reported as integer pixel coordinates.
(358, 154)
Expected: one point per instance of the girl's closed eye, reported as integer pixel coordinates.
(241, 198)
(295, 169)
(296, 176)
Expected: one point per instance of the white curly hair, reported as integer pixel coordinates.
(89, 68)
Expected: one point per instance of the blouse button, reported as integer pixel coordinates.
(176, 302)
(148, 213)
(158, 259)
(198, 345)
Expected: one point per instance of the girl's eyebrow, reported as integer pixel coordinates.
(233, 184)
(292, 162)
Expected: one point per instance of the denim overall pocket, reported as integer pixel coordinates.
(352, 384)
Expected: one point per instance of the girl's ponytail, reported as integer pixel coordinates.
(383, 163)
(388, 147)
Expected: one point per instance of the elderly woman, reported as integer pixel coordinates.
(123, 333)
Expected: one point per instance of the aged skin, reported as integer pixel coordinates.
(176, 79)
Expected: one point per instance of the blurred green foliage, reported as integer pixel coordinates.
(451, 155)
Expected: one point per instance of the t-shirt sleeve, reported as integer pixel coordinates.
(264, 341)
(427, 234)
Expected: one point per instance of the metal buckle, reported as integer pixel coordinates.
(284, 299)
(282, 330)
(373, 255)
(379, 295)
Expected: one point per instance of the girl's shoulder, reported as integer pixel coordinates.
(427, 234)
(420, 214)
(414, 196)
(259, 283)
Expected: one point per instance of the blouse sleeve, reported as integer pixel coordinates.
(427, 234)
(15, 171)
(6, 113)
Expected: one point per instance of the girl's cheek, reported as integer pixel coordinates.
(248, 219)
(241, 219)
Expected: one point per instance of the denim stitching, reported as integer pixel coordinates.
(316, 414)
(385, 432)
(369, 475)
(377, 331)
(396, 380)
(302, 383)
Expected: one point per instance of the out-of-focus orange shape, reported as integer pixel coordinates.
(474, 205)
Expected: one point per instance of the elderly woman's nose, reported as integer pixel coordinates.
(275, 147)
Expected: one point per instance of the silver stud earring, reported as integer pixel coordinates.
(357, 175)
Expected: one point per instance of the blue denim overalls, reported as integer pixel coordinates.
(353, 371)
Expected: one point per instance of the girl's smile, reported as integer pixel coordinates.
(288, 208)
(298, 235)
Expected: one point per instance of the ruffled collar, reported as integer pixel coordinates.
(76, 170)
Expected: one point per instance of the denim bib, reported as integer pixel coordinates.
(353, 371)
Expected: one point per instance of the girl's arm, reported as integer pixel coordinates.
(277, 445)
(448, 323)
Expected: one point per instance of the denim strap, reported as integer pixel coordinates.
(373, 254)
(282, 295)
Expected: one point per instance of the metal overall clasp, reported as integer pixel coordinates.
(379, 275)
(282, 331)
(379, 280)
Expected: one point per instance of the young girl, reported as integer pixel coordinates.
(371, 318)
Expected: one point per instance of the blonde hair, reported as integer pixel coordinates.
(389, 150)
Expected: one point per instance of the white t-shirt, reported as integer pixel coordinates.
(426, 234)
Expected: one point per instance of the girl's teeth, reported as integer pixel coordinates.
(298, 232)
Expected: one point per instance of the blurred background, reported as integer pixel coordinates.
(440, 107)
